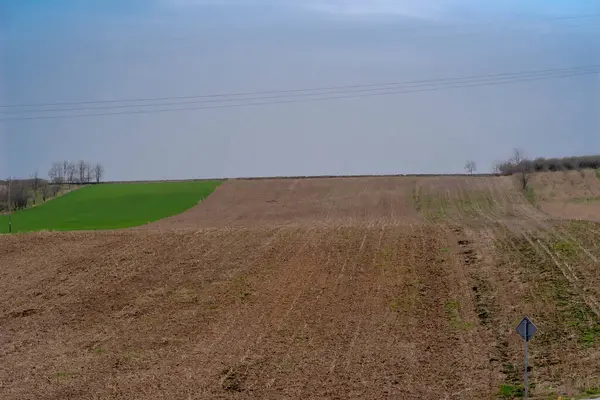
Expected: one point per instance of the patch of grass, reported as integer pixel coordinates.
(579, 318)
(564, 248)
(586, 199)
(110, 206)
(99, 350)
(452, 309)
(574, 316)
(440, 213)
(451, 306)
(598, 173)
(511, 391)
(592, 391)
(591, 336)
(530, 194)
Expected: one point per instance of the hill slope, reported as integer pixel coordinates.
(361, 288)
(110, 206)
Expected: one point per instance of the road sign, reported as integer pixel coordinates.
(526, 329)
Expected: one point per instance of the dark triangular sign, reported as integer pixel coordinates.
(526, 329)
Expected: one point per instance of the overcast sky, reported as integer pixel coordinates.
(72, 51)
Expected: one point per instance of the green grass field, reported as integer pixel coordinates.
(110, 206)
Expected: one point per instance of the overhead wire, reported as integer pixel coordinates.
(268, 95)
(147, 99)
(422, 86)
(260, 93)
(143, 105)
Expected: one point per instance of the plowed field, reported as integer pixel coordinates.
(353, 288)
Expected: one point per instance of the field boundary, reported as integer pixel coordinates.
(253, 178)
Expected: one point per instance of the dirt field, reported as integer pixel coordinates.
(569, 194)
(354, 288)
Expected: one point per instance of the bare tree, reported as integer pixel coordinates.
(71, 172)
(88, 172)
(522, 167)
(81, 169)
(470, 166)
(45, 191)
(18, 197)
(66, 166)
(98, 172)
(49, 191)
(56, 174)
(8, 202)
(496, 167)
(4, 196)
(35, 185)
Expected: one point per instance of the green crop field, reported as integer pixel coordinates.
(110, 206)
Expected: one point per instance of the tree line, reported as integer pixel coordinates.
(17, 194)
(520, 163)
(72, 173)
(20, 193)
(522, 167)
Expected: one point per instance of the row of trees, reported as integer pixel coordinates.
(522, 167)
(71, 173)
(16, 194)
(24, 192)
(520, 163)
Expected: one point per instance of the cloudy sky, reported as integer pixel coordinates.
(81, 51)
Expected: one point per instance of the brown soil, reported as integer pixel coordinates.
(302, 202)
(355, 288)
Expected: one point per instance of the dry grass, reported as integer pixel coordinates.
(345, 288)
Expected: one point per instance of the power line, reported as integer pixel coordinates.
(449, 85)
(276, 94)
(326, 91)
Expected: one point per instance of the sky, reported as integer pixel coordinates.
(84, 50)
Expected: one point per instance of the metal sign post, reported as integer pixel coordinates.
(526, 329)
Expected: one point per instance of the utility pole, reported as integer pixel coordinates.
(9, 208)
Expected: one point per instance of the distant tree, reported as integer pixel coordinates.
(496, 167)
(35, 185)
(45, 192)
(66, 167)
(35, 181)
(18, 195)
(4, 196)
(71, 172)
(98, 172)
(81, 171)
(88, 172)
(523, 167)
(470, 166)
(56, 174)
